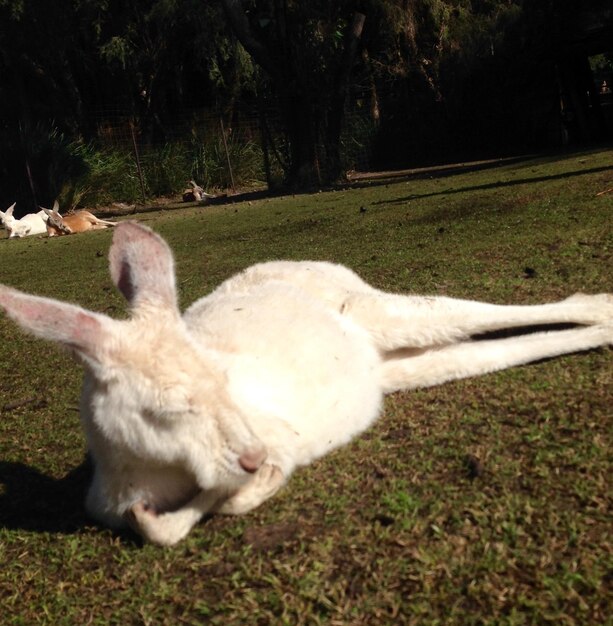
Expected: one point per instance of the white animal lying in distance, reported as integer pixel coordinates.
(78, 222)
(195, 193)
(30, 224)
(212, 410)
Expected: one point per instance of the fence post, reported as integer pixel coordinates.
(27, 165)
(31, 182)
(225, 145)
(137, 157)
(264, 139)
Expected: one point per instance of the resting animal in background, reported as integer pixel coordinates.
(78, 222)
(212, 410)
(30, 224)
(195, 193)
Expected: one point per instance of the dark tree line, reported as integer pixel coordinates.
(438, 76)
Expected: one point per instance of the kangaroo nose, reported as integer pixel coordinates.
(251, 459)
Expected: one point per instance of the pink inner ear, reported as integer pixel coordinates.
(124, 281)
(56, 321)
(142, 266)
(86, 328)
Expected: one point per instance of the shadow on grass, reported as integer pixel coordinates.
(496, 185)
(33, 501)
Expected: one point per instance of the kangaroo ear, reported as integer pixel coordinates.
(9, 211)
(67, 324)
(142, 267)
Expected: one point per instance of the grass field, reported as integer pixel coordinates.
(485, 501)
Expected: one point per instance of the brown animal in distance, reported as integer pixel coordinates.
(78, 222)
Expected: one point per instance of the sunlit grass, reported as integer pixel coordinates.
(485, 501)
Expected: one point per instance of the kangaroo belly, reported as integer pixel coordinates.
(304, 375)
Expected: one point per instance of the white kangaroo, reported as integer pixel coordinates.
(195, 193)
(212, 410)
(30, 224)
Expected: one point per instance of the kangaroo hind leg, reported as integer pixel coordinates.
(473, 358)
(397, 321)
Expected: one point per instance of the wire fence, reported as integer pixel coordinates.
(247, 151)
(123, 159)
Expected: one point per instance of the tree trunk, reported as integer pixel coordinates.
(337, 105)
(299, 101)
(300, 125)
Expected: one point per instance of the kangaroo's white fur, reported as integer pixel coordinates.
(211, 411)
(30, 224)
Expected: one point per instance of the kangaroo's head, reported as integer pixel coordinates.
(153, 396)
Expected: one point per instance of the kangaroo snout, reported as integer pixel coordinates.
(252, 459)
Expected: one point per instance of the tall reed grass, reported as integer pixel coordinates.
(79, 173)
